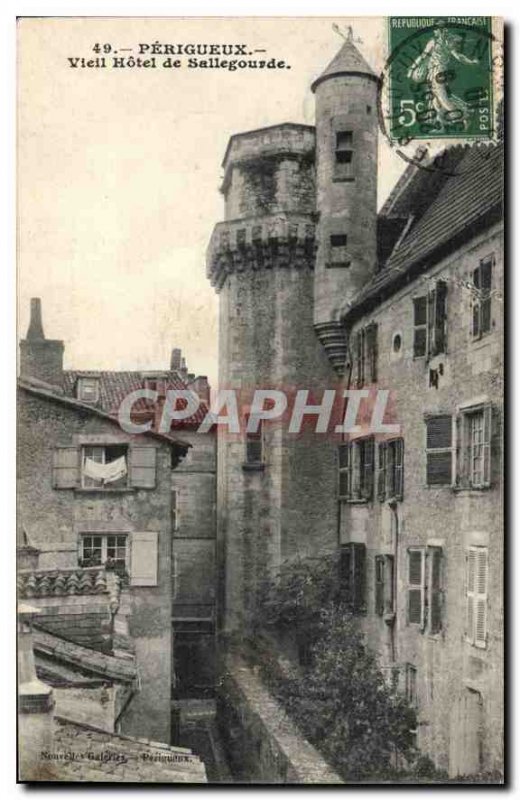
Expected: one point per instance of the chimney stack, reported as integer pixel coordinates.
(175, 362)
(40, 358)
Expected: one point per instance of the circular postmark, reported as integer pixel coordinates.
(438, 89)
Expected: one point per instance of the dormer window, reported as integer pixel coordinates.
(87, 390)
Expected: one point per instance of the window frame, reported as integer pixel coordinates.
(352, 580)
(81, 386)
(388, 485)
(366, 354)
(435, 326)
(100, 487)
(360, 470)
(465, 474)
(252, 440)
(104, 547)
(480, 301)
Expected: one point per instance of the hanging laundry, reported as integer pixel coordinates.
(107, 473)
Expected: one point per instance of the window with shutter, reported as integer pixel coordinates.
(381, 470)
(482, 284)
(371, 342)
(476, 595)
(439, 450)
(384, 584)
(356, 469)
(143, 466)
(345, 471)
(366, 467)
(430, 322)
(360, 358)
(420, 317)
(416, 586)
(65, 468)
(352, 575)
(144, 558)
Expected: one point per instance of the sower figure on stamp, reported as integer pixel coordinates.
(432, 67)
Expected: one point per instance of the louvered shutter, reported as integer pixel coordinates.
(399, 469)
(439, 327)
(368, 468)
(371, 345)
(143, 466)
(461, 451)
(481, 583)
(470, 593)
(381, 471)
(486, 446)
(344, 470)
(419, 321)
(496, 448)
(358, 577)
(65, 467)
(144, 558)
(439, 454)
(416, 587)
(436, 589)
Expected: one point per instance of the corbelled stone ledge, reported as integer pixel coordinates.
(74, 581)
(276, 240)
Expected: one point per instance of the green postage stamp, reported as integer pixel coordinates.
(439, 78)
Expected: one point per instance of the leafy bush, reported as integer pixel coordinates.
(340, 699)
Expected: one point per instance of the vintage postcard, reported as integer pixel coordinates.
(260, 400)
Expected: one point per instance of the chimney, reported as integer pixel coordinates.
(35, 704)
(183, 371)
(175, 362)
(201, 386)
(40, 358)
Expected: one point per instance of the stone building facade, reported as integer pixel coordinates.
(319, 290)
(139, 527)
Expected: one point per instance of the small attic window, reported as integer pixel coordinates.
(344, 155)
(87, 390)
(338, 240)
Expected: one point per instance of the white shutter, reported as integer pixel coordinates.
(142, 466)
(481, 581)
(143, 565)
(416, 586)
(65, 467)
(470, 593)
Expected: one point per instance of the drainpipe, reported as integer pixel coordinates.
(391, 618)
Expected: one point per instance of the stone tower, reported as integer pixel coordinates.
(346, 178)
(279, 502)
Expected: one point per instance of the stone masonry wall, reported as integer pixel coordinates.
(263, 744)
(447, 665)
(54, 519)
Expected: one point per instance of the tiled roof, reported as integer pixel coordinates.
(101, 756)
(115, 386)
(84, 658)
(449, 211)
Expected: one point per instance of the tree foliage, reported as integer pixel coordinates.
(339, 698)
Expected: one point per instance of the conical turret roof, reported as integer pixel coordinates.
(347, 61)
